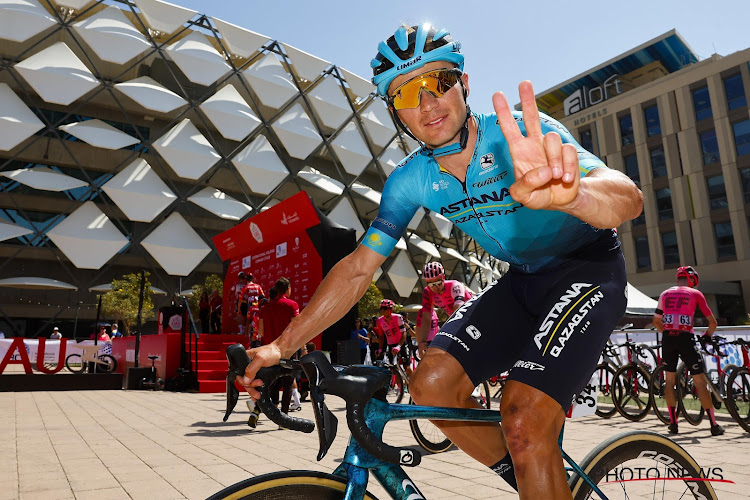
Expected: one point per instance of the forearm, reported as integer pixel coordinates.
(659, 325)
(422, 331)
(712, 324)
(606, 198)
(344, 285)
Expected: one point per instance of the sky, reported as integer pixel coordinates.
(504, 42)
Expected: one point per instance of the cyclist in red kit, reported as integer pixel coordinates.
(674, 319)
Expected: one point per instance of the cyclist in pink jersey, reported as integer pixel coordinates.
(674, 319)
(448, 295)
(391, 326)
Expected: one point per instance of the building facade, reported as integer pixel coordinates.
(132, 132)
(680, 128)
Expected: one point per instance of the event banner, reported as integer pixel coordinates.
(53, 354)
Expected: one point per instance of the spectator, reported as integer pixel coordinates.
(215, 303)
(116, 334)
(204, 310)
(56, 335)
(274, 317)
(103, 336)
(360, 333)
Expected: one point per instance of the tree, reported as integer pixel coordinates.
(121, 302)
(369, 304)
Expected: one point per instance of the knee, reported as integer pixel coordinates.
(434, 384)
(530, 431)
(426, 388)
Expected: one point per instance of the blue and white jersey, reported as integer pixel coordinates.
(482, 206)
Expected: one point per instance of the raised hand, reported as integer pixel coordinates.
(546, 170)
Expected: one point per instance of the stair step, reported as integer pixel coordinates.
(213, 364)
(211, 355)
(206, 386)
(212, 374)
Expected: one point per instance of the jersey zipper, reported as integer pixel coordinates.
(479, 220)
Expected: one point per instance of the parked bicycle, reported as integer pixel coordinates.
(630, 387)
(99, 363)
(362, 387)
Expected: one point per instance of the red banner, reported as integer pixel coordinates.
(293, 215)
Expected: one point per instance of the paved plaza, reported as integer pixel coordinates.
(147, 445)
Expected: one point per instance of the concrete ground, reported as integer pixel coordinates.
(138, 444)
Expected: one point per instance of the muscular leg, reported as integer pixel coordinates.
(440, 380)
(531, 424)
(669, 392)
(701, 385)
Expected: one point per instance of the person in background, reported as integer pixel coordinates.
(360, 333)
(240, 304)
(215, 303)
(116, 334)
(204, 311)
(377, 342)
(56, 335)
(103, 335)
(673, 318)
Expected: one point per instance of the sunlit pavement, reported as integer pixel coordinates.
(139, 444)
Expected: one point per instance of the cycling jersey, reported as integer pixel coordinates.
(251, 293)
(393, 329)
(454, 294)
(481, 206)
(677, 306)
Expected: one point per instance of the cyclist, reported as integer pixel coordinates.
(391, 327)
(240, 302)
(674, 319)
(545, 207)
(250, 295)
(449, 295)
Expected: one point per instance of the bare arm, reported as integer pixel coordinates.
(658, 324)
(712, 324)
(606, 198)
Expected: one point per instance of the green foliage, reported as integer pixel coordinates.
(369, 304)
(121, 302)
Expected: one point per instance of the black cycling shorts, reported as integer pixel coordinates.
(682, 344)
(548, 328)
(243, 309)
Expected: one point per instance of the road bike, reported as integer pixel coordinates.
(738, 387)
(631, 383)
(98, 363)
(673, 472)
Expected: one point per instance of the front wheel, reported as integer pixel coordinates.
(630, 392)
(605, 407)
(288, 484)
(395, 387)
(641, 464)
(74, 363)
(738, 397)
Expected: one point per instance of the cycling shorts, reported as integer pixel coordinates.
(675, 343)
(243, 309)
(547, 328)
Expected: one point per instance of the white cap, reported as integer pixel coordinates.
(55, 328)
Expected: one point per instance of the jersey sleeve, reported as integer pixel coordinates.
(703, 305)
(587, 161)
(397, 207)
(660, 306)
(459, 293)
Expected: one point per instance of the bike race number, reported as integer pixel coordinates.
(585, 402)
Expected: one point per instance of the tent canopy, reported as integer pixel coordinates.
(639, 303)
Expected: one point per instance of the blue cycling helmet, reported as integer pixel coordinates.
(411, 48)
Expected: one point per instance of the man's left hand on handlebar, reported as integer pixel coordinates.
(267, 355)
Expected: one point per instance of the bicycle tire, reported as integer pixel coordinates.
(428, 435)
(738, 397)
(395, 393)
(111, 364)
(288, 484)
(647, 355)
(604, 391)
(687, 397)
(74, 364)
(630, 392)
(624, 454)
(656, 393)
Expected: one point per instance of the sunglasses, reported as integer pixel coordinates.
(437, 82)
(435, 284)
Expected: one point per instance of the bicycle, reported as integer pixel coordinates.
(738, 388)
(101, 363)
(368, 413)
(631, 383)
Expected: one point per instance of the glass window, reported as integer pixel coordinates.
(742, 137)
(653, 127)
(717, 192)
(631, 168)
(626, 130)
(640, 220)
(587, 140)
(735, 92)
(658, 162)
(745, 176)
(702, 103)
(664, 204)
(641, 252)
(709, 147)
(671, 250)
(724, 239)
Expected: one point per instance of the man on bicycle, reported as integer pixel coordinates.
(538, 201)
(391, 327)
(448, 295)
(674, 319)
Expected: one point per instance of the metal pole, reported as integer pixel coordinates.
(138, 322)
